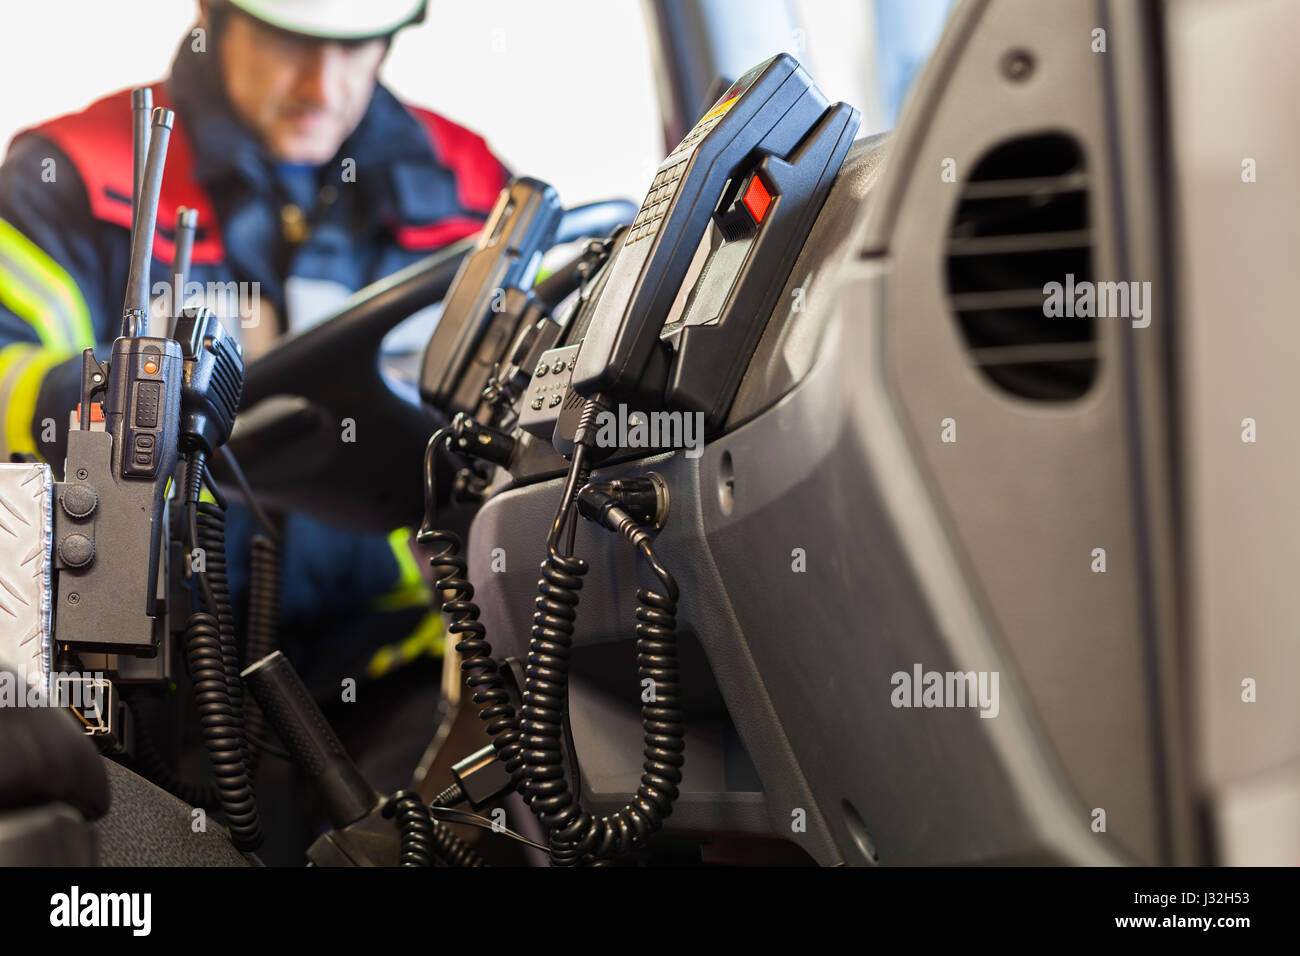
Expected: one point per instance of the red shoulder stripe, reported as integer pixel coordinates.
(479, 176)
(438, 234)
(98, 141)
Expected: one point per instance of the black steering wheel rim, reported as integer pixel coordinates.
(328, 432)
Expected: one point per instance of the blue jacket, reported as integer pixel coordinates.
(405, 183)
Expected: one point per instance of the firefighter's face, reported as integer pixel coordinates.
(302, 97)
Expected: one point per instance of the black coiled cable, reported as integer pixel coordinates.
(480, 671)
(482, 676)
(220, 730)
(530, 744)
(541, 718)
(263, 629)
(575, 834)
(213, 663)
(451, 849)
(416, 827)
(211, 519)
(424, 838)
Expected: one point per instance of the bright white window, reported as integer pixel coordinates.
(562, 89)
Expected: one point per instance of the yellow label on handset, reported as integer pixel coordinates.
(719, 109)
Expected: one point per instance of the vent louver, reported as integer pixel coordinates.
(1021, 223)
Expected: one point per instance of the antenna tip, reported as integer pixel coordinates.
(142, 99)
(163, 117)
(187, 218)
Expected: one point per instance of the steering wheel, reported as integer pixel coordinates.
(323, 430)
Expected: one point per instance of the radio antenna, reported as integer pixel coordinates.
(187, 223)
(135, 308)
(141, 108)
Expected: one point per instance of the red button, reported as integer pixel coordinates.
(757, 198)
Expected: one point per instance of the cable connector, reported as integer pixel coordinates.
(473, 439)
(585, 433)
(480, 778)
(643, 499)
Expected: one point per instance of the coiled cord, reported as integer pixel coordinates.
(424, 838)
(263, 629)
(213, 663)
(416, 827)
(530, 744)
(451, 849)
(482, 677)
(576, 835)
(211, 519)
(546, 688)
(220, 730)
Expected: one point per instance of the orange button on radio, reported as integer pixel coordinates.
(757, 198)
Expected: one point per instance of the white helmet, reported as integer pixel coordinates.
(335, 19)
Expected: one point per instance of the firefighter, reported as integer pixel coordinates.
(310, 180)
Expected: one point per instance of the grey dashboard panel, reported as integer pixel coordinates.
(803, 653)
(833, 540)
(1031, 489)
(1234, 83)
(804, 658)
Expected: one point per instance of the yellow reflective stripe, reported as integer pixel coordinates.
(204, 493)
(408, 572)
(27, 266)
(62, 285)
(10, 355)
(18, 298)
(409, 589)
(22, 368)
(401, 599)
(382, 662)
(12, 358)
(427, 638)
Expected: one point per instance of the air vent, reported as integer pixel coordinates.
(1022, 222)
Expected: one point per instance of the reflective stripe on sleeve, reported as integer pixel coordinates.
(40, 292)
(22, 369)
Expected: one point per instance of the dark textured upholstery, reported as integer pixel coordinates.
(147, 826)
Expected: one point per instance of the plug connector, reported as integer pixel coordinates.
(643, 498)
(473, 439)
(481, 777)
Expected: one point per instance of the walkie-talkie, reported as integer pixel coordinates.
(694, 280)
(109, 525)
(477, 322)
